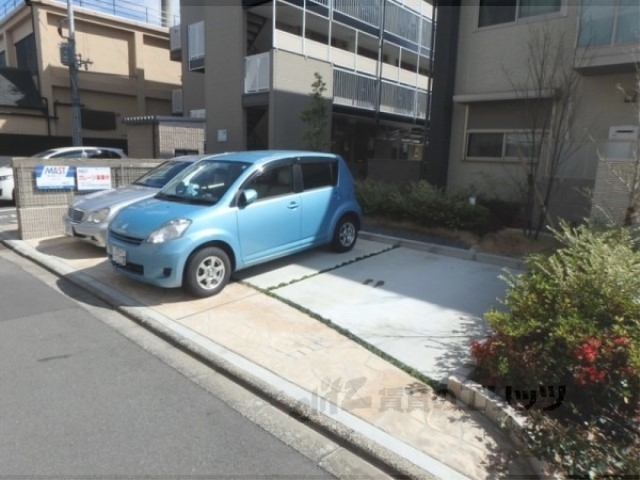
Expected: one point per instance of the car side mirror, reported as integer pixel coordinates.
(247, 197)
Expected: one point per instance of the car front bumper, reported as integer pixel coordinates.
(93, 233)
(159, 264)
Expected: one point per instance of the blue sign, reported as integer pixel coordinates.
(54, 177)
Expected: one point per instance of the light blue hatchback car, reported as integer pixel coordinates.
(235, 210)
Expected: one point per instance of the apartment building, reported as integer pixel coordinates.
(493, 88)
(248, 66)
(126, 71)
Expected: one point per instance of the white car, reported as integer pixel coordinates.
(6, 184)
(82, 152)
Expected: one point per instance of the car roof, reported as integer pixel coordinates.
(51, 151)
(262, 156)
(189, 158)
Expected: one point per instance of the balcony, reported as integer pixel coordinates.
(349, 89)
(609, 38)
(359, 91)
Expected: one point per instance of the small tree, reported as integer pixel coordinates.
(550, 95)
(315, 117)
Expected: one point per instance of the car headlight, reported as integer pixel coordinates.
(5, 177)
(98, 216)
(169, 231)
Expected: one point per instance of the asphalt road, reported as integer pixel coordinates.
(7, 213)
(86, 392)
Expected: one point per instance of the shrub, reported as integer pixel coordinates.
(374, 196)
(573, 320)
(423, 204)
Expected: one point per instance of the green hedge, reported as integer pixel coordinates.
(423, 204)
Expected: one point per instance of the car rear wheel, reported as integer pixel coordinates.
(207, 272)
(345, 234)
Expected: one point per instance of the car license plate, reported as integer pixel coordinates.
(68, 230)
(119, 255)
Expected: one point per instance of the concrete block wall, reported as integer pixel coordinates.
(40, 212)
(173, 136)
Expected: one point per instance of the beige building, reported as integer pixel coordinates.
(126, 71)
(250, 66)
(493, 90)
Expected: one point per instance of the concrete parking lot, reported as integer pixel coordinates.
(418, 306)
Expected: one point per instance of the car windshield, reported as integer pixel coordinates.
(159, 176)
(45, 153)
(204, 182)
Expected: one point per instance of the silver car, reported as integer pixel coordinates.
(88, 216)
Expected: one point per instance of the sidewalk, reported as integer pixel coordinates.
(266, 331)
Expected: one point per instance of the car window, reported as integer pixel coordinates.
(100, 153)
(319, 174)
(204, 182)
(272, 181)
(79, 153)
(160, 175)
(44, 154)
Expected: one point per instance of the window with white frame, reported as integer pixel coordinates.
(496, 12)
(506, 130)
(196, 45)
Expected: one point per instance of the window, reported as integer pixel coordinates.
(272, 181)
(485, 145)
(505, 130)
(500, 145)
(196, 45)
(496, 12)
(319, 174)
(3, 59)
(26, 54)
(603, 24)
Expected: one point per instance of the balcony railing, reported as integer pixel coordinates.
(359, 91)
(368, 11)
(398, 20)
(129, 9)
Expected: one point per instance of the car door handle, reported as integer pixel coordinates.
(292, 206)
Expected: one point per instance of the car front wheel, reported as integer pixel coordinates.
(207, 272)
(345, 234)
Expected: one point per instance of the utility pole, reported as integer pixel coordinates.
(76, 118)
(69, 57)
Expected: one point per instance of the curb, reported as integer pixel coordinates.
(382, 452)
(497, 411)
(464, 254)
